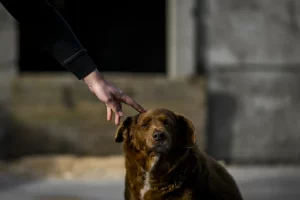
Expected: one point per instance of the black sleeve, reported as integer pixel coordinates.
(53, 34)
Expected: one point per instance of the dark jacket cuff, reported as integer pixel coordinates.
(81, 66)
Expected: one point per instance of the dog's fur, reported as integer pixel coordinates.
(171, 166)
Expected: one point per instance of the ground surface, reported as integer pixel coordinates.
(71, 178)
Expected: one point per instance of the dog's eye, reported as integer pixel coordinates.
(167, 123)
(144, 125)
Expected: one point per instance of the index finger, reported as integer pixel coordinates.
(129, 101)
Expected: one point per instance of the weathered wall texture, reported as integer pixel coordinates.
(253, 63)
(253, 32)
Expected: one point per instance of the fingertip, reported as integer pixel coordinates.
(109, 114)
(117, 120)
(108, 118)
(142, 110)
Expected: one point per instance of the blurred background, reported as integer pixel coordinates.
(231, 66)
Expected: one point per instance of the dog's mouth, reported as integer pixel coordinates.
(161, 147)
(159, 142)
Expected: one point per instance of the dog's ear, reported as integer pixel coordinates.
(187, 127)
(123, 130)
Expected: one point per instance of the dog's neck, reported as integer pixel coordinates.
(164, 172)
(166, 163)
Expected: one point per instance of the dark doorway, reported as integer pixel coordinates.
(120, 36)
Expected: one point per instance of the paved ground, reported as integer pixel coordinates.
(256, 183)
(265, 183)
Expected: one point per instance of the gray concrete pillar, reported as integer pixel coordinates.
(254, 80)
(180, 39)
(8, 51)
(8, 44)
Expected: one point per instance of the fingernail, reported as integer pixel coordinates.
(121, 113)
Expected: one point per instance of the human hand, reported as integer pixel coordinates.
(110, 95)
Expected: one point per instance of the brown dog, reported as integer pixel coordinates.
(163, 161)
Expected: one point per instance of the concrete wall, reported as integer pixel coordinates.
(57, 114)
(251, 51)
(254, 32)
(253, 63)
(51, 114)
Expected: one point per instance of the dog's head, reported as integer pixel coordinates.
(156, 131)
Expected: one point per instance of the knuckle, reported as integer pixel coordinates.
(109, 100)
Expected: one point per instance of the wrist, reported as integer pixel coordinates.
(95, 77)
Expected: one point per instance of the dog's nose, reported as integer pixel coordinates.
(158, 135)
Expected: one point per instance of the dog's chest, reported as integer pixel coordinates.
(146, 186)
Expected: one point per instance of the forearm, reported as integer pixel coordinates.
(53, 34)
